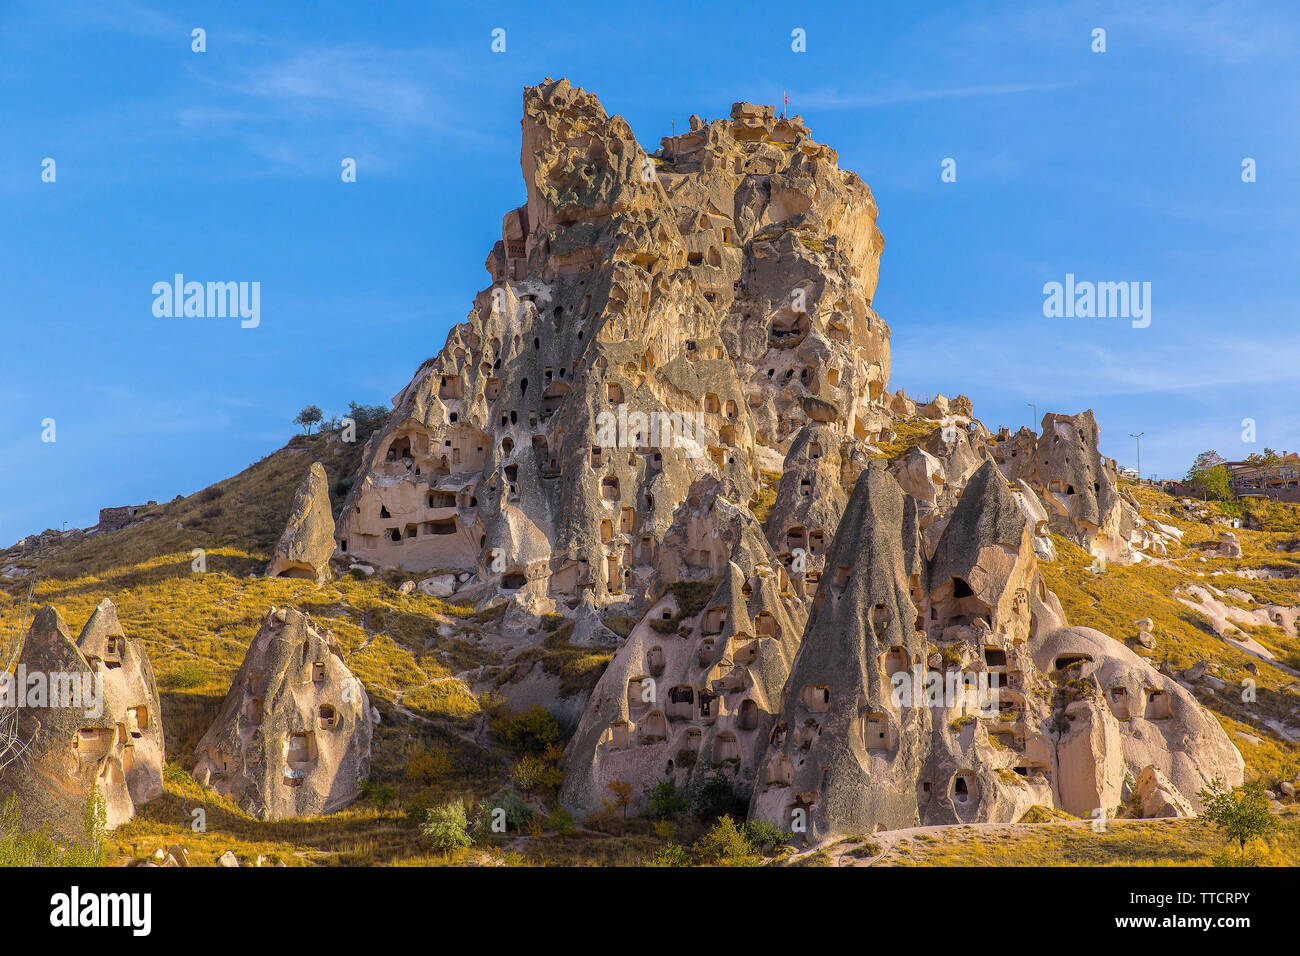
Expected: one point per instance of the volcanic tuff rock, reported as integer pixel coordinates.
(694, 688)
(858, 743)
(292, 738)
(308, 540)
(1158, 798)
(725, 279)
(76, 751)
(1122, 715)
(672, 342)
(1078, 486)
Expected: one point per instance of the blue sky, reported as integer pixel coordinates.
(1115, 166)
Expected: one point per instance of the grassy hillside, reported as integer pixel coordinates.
(1115, 598)
(438, 740)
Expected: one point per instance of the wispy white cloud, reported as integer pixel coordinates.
(831, 99)
(380, 106)
(1006, 358)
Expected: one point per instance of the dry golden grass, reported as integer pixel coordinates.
(407, 650)
(1117, 597)
(1145, 843)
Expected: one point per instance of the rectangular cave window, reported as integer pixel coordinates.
(1158, 705)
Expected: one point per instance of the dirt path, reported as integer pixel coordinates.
(840, 851)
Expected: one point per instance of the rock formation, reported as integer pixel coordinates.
(694, 689)
(1116, 714)
(308, 540)
(292, 738)
(88, 715)
(1078, 487)
(885, 720)
(652, 320)
(673, 343)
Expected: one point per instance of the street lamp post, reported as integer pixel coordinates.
(1034, 422)
(1138, 438)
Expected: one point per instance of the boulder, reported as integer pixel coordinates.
(1160, 798)
(1229, 546)
(439, 586)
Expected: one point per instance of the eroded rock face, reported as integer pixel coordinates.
(664, 333)
(652, 320)
(308, 540)
(1146, 718)
(95, 728)
(1157, 797)
(860, 744)
(695, 688)
(292, 738)
(1075, 482)
(810, 499)
(131, 695)
(862, 740)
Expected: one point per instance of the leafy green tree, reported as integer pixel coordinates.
(531, 732)
(380, 794)
(1268, 459)
(367, 418)
(765, 837)
(671, 854)
(447, 827)
(1241, 814)
(531, 773)
(309, 416)
(1209, 478)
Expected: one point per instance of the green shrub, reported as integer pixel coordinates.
(726, 845)
(531, 732)
(670, 854)
(666, 800)
(380, 794)
(187, 675)
(560, 821)
(765, 837)
(531, 773)
(518, 813)
(447, 827)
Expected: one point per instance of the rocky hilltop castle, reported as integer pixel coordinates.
(670, 406)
